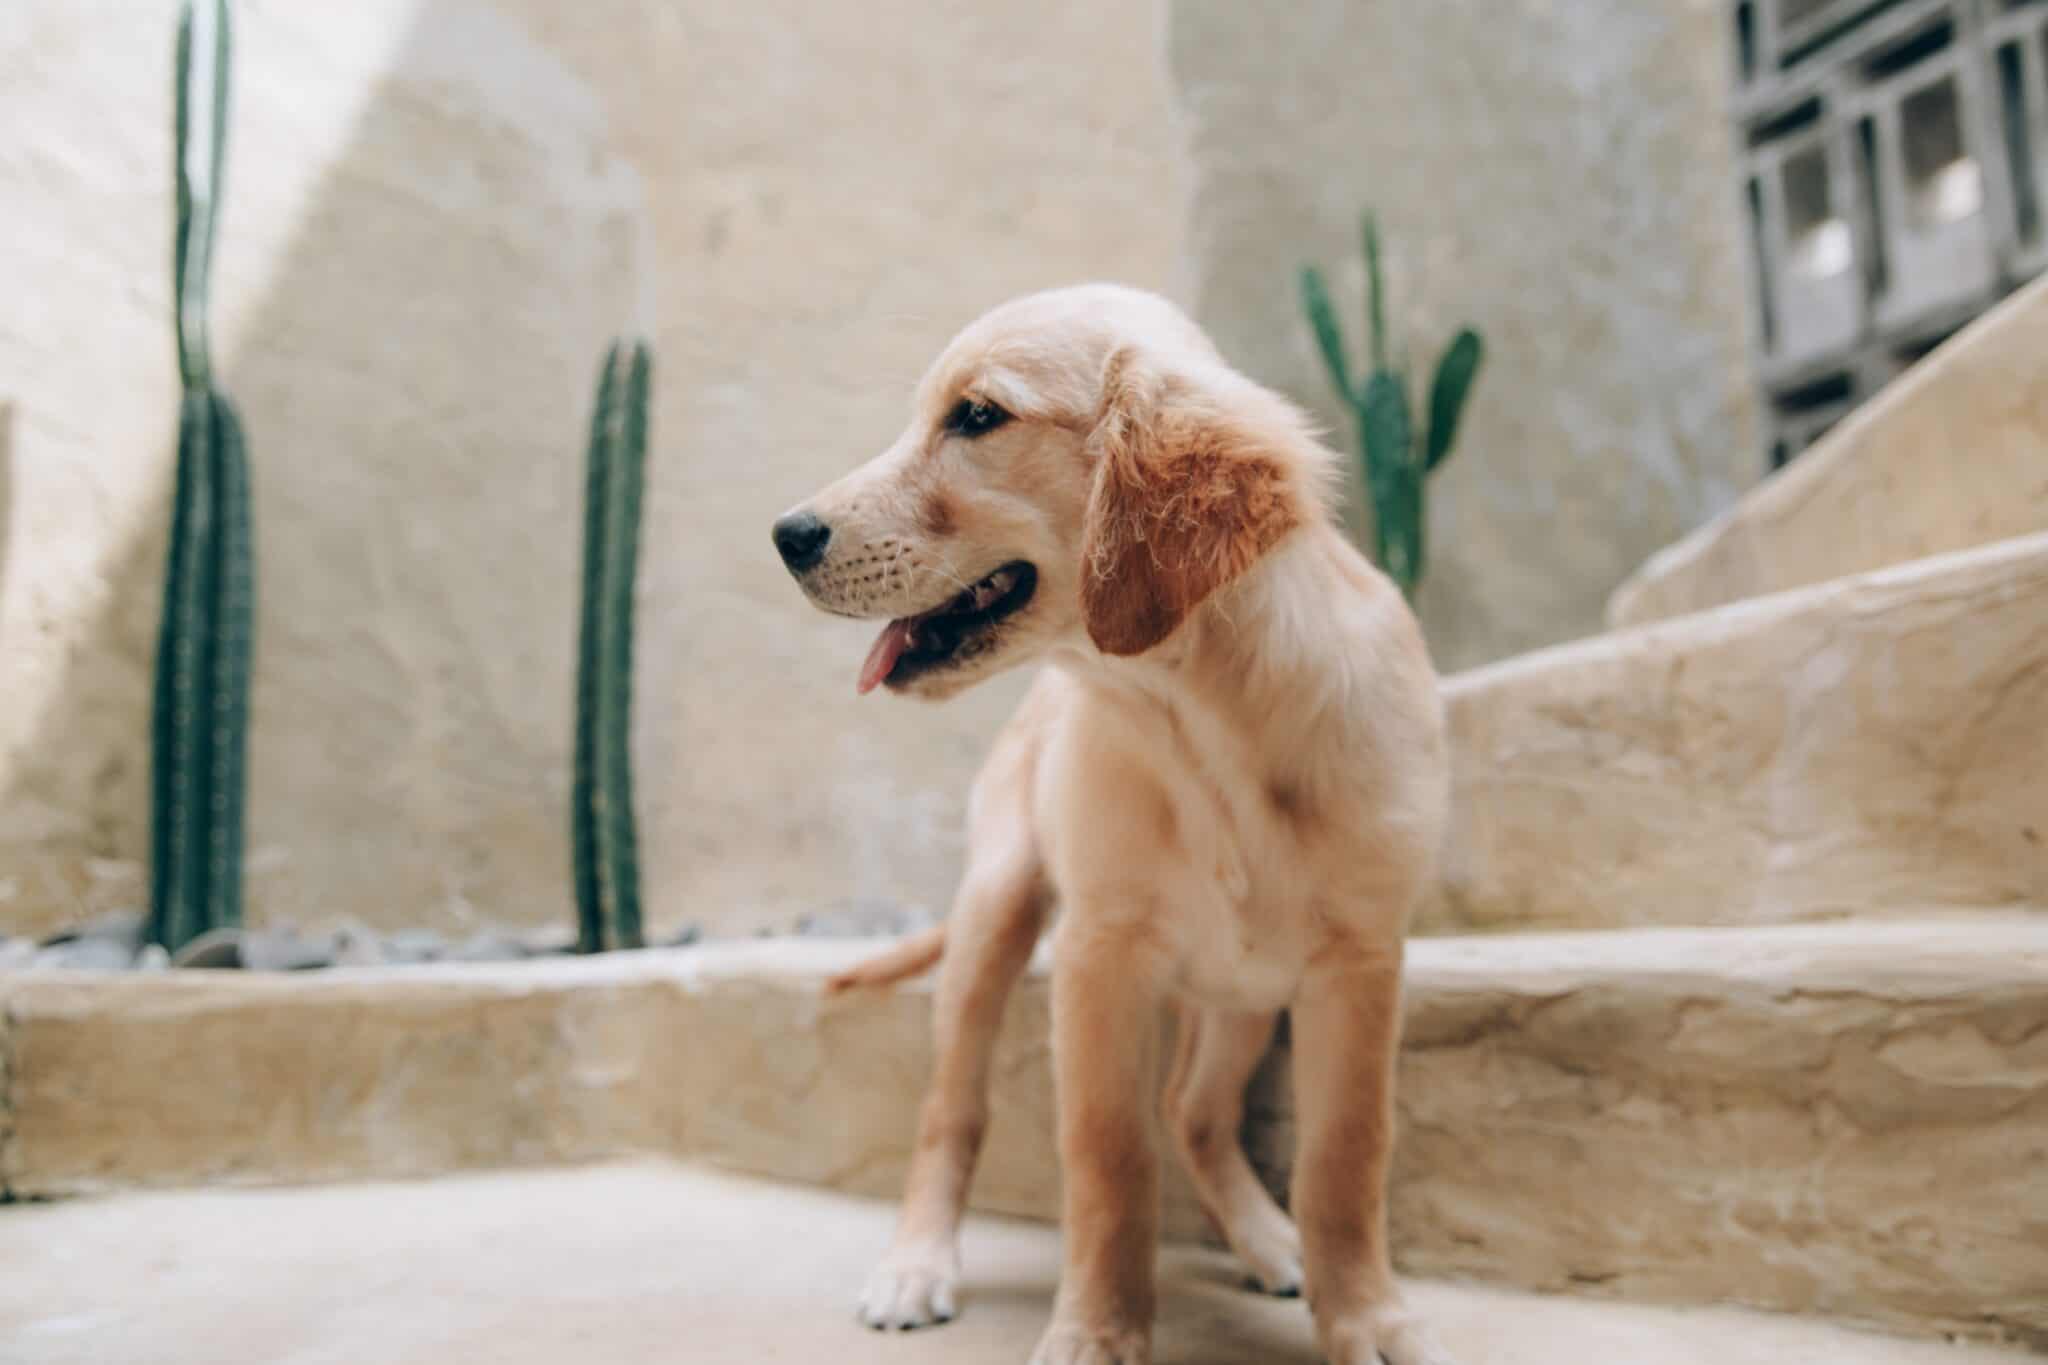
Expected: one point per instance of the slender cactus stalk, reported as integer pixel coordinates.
(200, 711)
(234, 638)
(603, 839)
(583, 790)
(1375, 299)
(1394, 464)
(178, 789)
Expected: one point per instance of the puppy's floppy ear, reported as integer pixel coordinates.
(1189, 491)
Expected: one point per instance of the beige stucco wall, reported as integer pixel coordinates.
(438, 211)
(1558, 175)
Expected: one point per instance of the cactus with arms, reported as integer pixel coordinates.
(199, 725)
(604, 844)
(1395, 463)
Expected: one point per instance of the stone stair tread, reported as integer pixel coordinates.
(1857, 746)
(1911, 952)
(1847, 1117)
(1461, 987)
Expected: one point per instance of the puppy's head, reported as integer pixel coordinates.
(1081, 469)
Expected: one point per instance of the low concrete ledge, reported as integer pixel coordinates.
(176, 1078)
(727, 1052)
(1841, 1119)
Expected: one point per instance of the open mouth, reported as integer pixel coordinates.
(914, 645)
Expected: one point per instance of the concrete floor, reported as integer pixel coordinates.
(621, 1264)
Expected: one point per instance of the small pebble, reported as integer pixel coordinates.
(214, 950)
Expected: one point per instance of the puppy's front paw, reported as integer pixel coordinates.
(912, 1287)
(1069, 1344)
(1390, 1331)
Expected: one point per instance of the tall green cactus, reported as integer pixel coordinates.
(1395, 467)
(602, 837)
(200, 714)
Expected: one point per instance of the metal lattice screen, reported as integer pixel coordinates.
(1894, 160)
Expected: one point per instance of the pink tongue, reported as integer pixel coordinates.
(888, 648)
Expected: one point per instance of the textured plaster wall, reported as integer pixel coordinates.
(1558, 174)
(438, 211)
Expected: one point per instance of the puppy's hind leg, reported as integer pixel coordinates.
(1217, 1052)
(989, 937)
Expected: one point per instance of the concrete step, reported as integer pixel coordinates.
(1951, 455)
(1848, 1120)
(655, 1262)
(1874, 745)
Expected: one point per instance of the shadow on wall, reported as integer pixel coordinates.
(414, 369)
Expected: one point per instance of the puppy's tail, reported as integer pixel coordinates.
(917, 953)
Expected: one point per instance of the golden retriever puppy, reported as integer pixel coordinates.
(1230, 777)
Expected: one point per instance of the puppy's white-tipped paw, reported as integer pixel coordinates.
(1072, 1345)
(910, 1290)
(1392, 1333)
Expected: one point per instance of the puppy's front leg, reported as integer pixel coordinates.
(1106, 992)
(994, 927)
(1347, 1026)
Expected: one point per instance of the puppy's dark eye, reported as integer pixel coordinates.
(972, 417)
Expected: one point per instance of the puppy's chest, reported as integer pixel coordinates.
(1235, 830)
(1244, 944)
(1236, 853)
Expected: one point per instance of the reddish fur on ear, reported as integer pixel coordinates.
(1185, 499)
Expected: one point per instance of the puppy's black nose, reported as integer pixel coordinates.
(800, 540)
